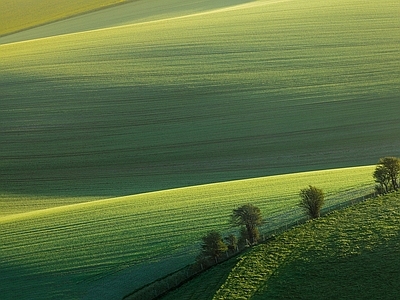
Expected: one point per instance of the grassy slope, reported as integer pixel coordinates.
(18, 15)
(110, 247)
(78, 117)
(266, 88)
(11, 204)
(352, 254)
(203, 286)
(129, 13)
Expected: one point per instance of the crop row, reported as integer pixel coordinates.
(20, 15)
(200, 99)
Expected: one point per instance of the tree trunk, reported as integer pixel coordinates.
(394, 183)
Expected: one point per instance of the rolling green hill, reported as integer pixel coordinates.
(19, 15)
(106, 249)
(261, 88)
(257, 89)
(133, 11)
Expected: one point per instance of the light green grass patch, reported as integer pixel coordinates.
(130, 12)
(82, 245)
(11, 204)
(18, 15)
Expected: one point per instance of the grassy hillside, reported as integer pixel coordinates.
(18, 15)
(106, 249)
(204, 285)
(267, 87)
(118, 15)
(263, 88)
(11, 204)
(351, 254)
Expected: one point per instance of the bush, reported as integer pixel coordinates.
(250, 217)
(386, 174)
(212, 247)
(312, 199)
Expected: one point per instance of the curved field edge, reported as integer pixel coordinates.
(18, 15)
(351, 253)
(111, 247)
(353, 178)
(131, 12)
(12, 204)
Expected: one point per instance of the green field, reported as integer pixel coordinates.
(204, 285)
(211, 94)
(238, 93)
(351, 254)
(133, 11)
(108, 248)
(18, 15)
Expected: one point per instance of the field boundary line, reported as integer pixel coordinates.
(160, 287)
(192, 15)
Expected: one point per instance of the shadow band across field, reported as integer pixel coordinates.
(300, 85)
(378, 269)
(197, 100)
(71, 140)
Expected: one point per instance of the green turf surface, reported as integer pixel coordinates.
(11, 204)
(268, 87)
(351, 254)
(265, 88)
(110, 247)
(130, 12)
(205, 285)
(18, 15)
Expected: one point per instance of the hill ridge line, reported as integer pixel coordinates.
(254, 3)
(38, 212)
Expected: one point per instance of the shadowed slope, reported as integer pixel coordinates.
(219, 96)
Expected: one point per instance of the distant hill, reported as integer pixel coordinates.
(261, 88)
(191, 92)
(17, 15)
(131, 12)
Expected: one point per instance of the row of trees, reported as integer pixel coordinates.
(248, 217)
(214, 246)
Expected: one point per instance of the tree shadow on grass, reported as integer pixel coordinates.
(205, 285)
(371, 274)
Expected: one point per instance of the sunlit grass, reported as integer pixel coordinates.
(82, 243)
(271, 87)
(18, 15)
